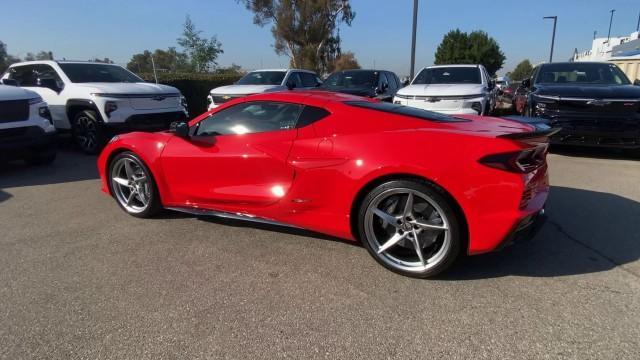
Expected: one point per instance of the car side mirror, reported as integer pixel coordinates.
(49, 84)
(9, 82)
(636, 82)
(180, 128)
(406, 82)
(491, 85)
(526, 83)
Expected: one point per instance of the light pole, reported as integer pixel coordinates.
(553, 37)
(413, 39)
(610, 22)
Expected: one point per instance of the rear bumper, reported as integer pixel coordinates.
(525, 230)
(147, 122)
(16, 143)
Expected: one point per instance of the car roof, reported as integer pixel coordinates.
(49, 62)
(308, 97)
(452, 65)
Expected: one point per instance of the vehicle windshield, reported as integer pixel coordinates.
(86, 73)
(262, 78)
(581, 73)
(448, 75)
(351, 79)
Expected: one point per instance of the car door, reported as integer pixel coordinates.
(383, 86)
(237, 157)
(45, 81)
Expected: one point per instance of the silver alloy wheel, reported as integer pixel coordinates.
(86, 132)
(407, 230)
(130, 184)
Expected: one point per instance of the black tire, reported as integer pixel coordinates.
(456, 240)
(41, 158)
(87, 131)
(154, 203)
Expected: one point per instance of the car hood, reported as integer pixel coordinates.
(442, 90)
(8, 93)
(129, 88)
(246, 89)
(590, 91)
(363, 91)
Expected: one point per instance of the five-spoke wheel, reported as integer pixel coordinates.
(132, 185)
(410, 227)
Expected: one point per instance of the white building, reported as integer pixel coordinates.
(601, 49)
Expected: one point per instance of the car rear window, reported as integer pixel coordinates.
(405, 110)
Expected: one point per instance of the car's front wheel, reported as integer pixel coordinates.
(132, 185)
(410, 227)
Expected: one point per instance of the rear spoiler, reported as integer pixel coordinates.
(542, 128)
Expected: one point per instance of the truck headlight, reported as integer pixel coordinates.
(44, 112)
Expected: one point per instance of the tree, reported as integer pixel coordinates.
(202, 53)
(5, 58)
(478, 47)
(169, 60)
(346, 61)
(42, 55)
(522, 71)
(304, 30)
(232, 70)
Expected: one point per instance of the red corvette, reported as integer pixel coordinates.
(417, 188)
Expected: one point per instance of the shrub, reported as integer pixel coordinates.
(194, 87)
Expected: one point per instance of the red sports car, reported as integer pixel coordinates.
(417, 188)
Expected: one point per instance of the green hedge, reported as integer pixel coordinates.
(195, 87)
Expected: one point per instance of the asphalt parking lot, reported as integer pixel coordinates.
(80, 279)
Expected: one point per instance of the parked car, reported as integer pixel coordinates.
(261, 81)
(95, 100)
(26, 130)
(417, 188)
(450, 89)
(502, 82)
(379, 84)
(594, 103)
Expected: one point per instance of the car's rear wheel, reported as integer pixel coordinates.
(410, 227)
(132, 186)
(88, 132)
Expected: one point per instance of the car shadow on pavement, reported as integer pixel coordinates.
(586, 232)
(70, 165)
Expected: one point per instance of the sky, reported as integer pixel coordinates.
(380, 34)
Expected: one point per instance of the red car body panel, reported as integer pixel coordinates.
(312, 177)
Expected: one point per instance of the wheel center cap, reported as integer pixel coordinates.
(406, 226)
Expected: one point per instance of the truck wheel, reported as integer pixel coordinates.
(87, 132)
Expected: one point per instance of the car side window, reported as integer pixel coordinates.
(249, 118)
(311, 114)
(46, 73)
(383, 80)
(393, 85)
(294, 78)
(25, 75)
(308, 80)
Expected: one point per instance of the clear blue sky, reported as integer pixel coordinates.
(381, 31)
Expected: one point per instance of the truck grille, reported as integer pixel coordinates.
(14, 110)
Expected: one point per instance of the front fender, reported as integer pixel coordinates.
(147, 146)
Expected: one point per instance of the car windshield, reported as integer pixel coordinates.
(405, 110)
(86, 73)
(351, 79)
(581, 73)
(448, 75)
(262, 78)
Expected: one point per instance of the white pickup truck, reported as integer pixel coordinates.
(96, 100)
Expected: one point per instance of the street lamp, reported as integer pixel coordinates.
(413, 39)
(610, 22)
(553, 37)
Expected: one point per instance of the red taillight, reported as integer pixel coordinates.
(523, 161)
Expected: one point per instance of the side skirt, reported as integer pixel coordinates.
(229, 215)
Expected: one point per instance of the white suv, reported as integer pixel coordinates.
(450, 89)
(261, 81)
(26, 131)
(95, 100)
